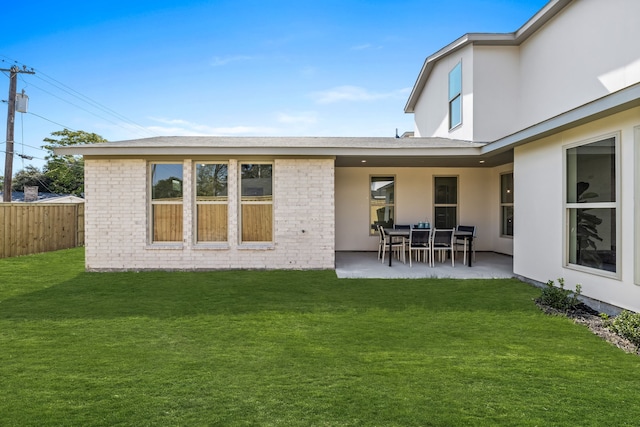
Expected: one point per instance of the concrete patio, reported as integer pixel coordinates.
(357, 265)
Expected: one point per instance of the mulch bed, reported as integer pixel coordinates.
(585, 315)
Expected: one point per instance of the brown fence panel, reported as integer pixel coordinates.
(28, 228)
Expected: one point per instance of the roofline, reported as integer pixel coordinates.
(132, 149)
(608, 105)
(515, 38)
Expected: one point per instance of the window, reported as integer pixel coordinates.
(256, 202)
(381, 202)
(166, 202)
(211, 202)
(445, 202)
(592, 205)
(455, 96)
(506, 204)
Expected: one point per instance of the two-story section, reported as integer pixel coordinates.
(562, 96)
(483, 87)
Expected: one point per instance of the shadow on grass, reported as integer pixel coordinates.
(180, 294)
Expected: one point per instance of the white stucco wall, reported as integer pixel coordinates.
(496, 94)
(587, 51)
(538, 243)
(432, 109)
(117, 220)
(478, 203)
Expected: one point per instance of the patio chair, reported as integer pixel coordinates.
(442, 240)
(420, 243)
(397, 247)
(462, 241)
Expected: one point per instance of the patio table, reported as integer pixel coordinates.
(391, 233)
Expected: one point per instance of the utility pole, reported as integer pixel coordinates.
(11, 115)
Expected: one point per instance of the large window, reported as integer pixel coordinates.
(166, 202)
(506, 204)
(445, 202)
(381, 202)
(592, 205)
(256, 202)
(211, 202)
(455, 96)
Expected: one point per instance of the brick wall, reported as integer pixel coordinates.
(117, 220)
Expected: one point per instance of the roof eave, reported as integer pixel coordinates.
(608, 105)
(543, 16)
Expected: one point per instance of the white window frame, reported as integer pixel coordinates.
(241, 203)
(208, 202)
(152, 203)
(503, 205)
(374, 231)
(567, 207)
(452, 98)
(446, 205)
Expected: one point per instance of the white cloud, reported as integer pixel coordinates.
(366, 46)
(226, 60)
(355, 93)
(303, 117)
(179, 127)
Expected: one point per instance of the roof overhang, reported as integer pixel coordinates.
(608, 105)
(347, 152)
(483, 39)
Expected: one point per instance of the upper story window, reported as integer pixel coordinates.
(455, 96)
(166, 202)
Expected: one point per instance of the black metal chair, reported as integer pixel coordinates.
(420, 242)
(442, 241)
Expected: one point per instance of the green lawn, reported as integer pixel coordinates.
(253, 348)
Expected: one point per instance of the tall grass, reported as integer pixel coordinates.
(293, 348)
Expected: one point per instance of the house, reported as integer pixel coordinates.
(532, 136)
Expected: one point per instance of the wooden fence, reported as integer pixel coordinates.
(28, 228)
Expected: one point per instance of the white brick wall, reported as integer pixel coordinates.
(117, 220)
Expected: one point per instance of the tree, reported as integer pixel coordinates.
(30, 176)
(66, 173)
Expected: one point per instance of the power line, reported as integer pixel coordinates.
(131, 126)
(51, 121)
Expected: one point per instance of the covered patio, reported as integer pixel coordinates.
(366, 265)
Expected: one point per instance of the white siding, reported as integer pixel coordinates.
(478, 203)
(496, 92)
(586, 52)
(432, 109)
(538, 241)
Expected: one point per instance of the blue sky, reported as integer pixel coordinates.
(136, 69)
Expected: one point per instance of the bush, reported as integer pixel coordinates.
(558, 297)
(627, 325)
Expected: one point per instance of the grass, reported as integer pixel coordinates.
(276, 348)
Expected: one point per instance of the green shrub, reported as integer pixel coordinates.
(558, 297)
(627, 325)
